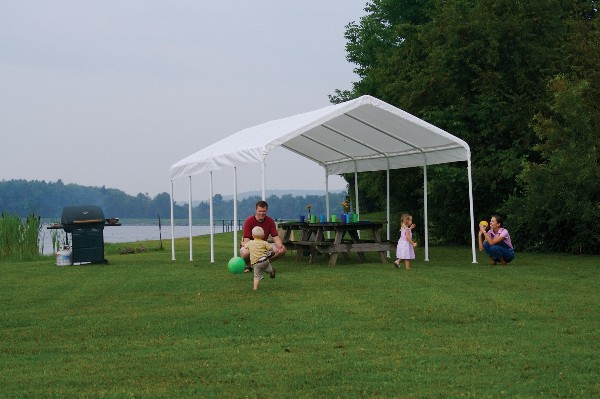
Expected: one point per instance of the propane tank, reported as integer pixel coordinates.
(64, 256)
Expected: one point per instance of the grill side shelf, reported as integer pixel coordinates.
(88, 221)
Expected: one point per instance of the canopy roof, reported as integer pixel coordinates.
(365, 134)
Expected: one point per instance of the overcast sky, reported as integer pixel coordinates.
(114, 92)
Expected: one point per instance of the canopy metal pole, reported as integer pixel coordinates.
(172, 225)
(211, 219)
(327, 198)
(425, 210)
(263, 167)
(235, 216)
(326, 193)
(471, 210)
(356, 208)
(387, 194)
(190, 214)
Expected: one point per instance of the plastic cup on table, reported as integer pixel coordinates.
(354, 218)
(343, 218)
(301, 218)
(348, 218)
(313, 218)
(334, 218)
(322, 218)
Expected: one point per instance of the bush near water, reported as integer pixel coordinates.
(19, 238)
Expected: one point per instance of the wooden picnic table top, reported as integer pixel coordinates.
(313, 239)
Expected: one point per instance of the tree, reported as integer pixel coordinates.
(560, 191)
(561, 197)
(478, 70)
(48, 199)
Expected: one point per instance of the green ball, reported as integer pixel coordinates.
(236, 265)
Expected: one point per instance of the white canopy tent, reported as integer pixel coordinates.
(365, 134)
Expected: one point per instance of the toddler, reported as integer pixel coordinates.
(406, 246)
(259, 255)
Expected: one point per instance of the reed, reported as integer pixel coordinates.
(19, 238)
(57, 237)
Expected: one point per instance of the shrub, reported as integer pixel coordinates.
(19, 238)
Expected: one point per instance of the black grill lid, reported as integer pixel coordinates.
(82, 214)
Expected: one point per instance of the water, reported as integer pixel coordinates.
(116, 234)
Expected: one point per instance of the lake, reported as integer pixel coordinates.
(133, 233)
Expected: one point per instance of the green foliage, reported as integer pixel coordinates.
(19, 239)
(145, 326)
(559, 200)
(477, 69)
(569, 170)
(57, 236)
(448, 183)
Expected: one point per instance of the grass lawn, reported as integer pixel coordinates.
(145, 326)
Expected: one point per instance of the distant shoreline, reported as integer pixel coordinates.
(277, 193)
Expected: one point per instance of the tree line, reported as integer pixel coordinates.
(47, 199)
(519, 82)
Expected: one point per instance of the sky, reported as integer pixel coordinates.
(112, 93)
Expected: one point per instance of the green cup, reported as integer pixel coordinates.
(354, 217)
(313, 218)
(334, 218)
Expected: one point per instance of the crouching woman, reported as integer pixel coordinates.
(496, 241)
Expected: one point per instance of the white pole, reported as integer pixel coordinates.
(387, 194)
(326, 193)
(235, 216)
(172, 225)
(327, 199)
(356, 209)
(211, 220)
(425, 211)
(190, 215)
(471, 210)
(263, 180)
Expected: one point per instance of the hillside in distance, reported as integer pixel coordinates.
(47, 199)
(269, 193)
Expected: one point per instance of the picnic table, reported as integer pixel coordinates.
(313, 239)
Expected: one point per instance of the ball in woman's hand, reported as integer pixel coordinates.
(483, 223)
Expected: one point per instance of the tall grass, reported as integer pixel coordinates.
(19, 238)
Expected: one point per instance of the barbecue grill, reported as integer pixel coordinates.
(86, 225)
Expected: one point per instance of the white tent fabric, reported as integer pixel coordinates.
(365, 134)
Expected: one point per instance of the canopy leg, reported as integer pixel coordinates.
(172, 224)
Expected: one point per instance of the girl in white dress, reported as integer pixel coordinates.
(406, 246)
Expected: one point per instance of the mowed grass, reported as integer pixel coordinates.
(146, 326)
